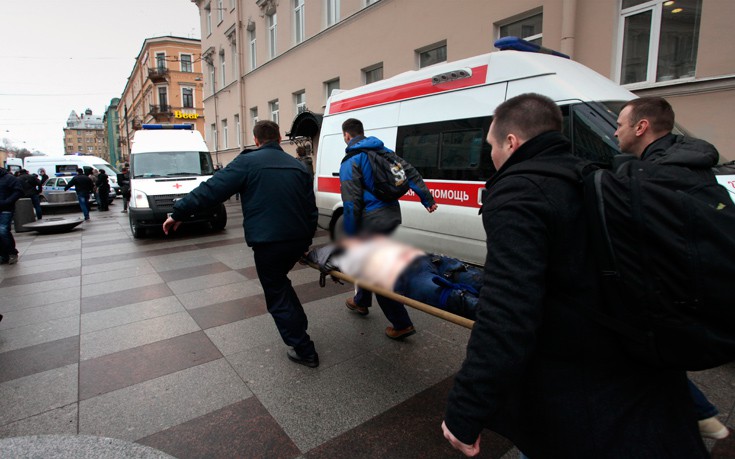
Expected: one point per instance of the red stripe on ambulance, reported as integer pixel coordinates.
(407, 91)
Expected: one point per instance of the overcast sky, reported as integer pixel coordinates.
(58, 56)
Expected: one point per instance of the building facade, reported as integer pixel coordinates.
(85, 134)
(165, 86)
(272, 59)
(112, 132)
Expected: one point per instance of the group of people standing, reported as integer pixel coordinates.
(88, 183)
(537, 370)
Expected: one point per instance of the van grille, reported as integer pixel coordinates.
(164, 201)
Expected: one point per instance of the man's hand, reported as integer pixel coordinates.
(467, 450)
(432, 208)
(169, 224)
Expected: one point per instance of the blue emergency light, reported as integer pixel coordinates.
(517, 44)
(168, 126)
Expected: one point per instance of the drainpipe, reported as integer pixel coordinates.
(568, 12)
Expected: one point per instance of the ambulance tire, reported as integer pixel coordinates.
(137, 231)
(219, 219)
(336, 229)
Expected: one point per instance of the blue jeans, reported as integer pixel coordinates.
(702, 407)
(37, 205)
(84, 204)
(394, 311)
(7, 242)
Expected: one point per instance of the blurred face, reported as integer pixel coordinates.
(626, 132)
(501, 148)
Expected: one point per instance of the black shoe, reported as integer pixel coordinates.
(13, 259)
(311, 361)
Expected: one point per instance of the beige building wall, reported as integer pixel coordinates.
(392, 32)
(142, 97)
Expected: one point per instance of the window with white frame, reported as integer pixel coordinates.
(232, 4)
(208, 18)
(332, 11)
(254, 115)
(161, 61)
(211, 78)
(299, 99)
(220, 10)
(433, 54)
(186, 64)
(252, 50)
(234, 60)
(659, 40)
(373, 73)
(272, 35)
(224, 134)
(238, 132)
(222, 69)
(163, 98)
(213, 136)
(273, 106)
(187, 97)
(298, 21)
(330, 86)
(528, 28)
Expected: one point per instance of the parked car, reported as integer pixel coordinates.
(53, 192)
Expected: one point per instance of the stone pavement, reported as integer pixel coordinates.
(115, 347)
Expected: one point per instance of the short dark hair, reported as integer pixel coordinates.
(80, 171)
(656, 110)
(353, 127)
(526, 116)
(266, 131)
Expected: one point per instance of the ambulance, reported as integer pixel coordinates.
(437, 118)
(167, 162)
(67, 165)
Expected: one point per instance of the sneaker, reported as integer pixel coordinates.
(311, 361)
(713, 428)
(13, 259)
(352, 306)
(392, 333)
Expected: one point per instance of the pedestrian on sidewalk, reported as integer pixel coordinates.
(83, 186)
(103, 191)
(281, 215)
(31, 190)
(123, 179)
(10, 191)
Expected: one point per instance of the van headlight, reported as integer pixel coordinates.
(139, 200)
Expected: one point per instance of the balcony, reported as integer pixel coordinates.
(158, 74)
(160, 111)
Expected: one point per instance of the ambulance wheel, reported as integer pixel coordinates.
(336, 229)
(137, 231)
(219, 219)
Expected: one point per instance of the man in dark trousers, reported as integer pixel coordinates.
(538, 370)
(10, 191)
(280, 217)
(31, 189)
(365, 214)
(83, 185)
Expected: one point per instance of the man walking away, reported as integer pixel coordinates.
(103, 191)
(280, 221)
(538, 370)
(83, 186)
(31, 189)
(364, 214)
(10, 191)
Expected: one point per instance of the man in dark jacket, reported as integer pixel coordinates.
(280, 218)
(83, 185)
(31, 189)
(10, 191)
(103, 191)
(364, 213)
(538, 371)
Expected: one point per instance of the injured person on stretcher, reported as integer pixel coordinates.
(436, 280)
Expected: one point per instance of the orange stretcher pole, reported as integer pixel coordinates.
(440, 313)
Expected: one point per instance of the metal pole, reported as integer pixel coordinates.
(127, 133)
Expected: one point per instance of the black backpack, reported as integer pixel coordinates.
(664, 242)
(389, 178)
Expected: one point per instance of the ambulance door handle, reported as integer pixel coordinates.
(335, 174)
(483, 195)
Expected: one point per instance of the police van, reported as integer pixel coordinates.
(67, 165)
(437, 118)
(166, 163)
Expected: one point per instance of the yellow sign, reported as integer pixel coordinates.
(185, 116)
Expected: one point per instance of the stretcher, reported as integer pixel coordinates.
(338, 276)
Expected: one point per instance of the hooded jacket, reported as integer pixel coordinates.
(363, 211)
(10, 190)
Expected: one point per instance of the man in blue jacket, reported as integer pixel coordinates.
(10, 191)
(280, 218)
(365, 214)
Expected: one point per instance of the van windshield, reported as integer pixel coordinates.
(109, 170)
(170, 164)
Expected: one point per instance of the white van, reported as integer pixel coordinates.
(167, 162)
(67, 165)
(437, 118)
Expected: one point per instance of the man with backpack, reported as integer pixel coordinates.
(372, 179)
(538, 370)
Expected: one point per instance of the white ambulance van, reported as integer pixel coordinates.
(67, 165)
(167, 162)
(437, 118)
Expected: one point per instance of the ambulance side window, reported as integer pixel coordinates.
(592, 133)
(448, 150)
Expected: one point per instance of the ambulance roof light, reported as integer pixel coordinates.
(168, 126)
(517, 44)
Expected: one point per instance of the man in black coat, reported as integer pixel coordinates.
(10, 191)
(280, 217)
(83, 185)
(538, 371)
(31, 189)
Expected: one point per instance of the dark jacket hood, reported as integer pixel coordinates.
(679, 150)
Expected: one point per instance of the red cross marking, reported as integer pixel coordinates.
(177, 186)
